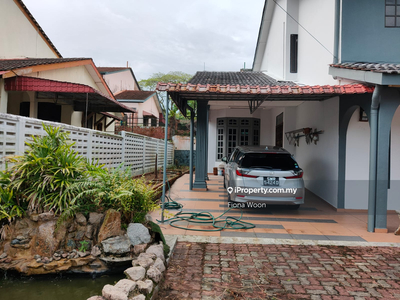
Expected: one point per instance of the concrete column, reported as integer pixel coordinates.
(3, 97)
(201, 146)
(33, 107)
(208, 113)
(390, 100)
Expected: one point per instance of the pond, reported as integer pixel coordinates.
(66, 287)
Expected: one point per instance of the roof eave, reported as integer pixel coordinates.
(365, 76)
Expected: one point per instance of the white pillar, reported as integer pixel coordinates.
(33, 107)
(3, 97)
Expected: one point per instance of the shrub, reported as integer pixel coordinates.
(116, 189)
(49, 167)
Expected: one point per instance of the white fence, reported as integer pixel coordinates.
(133, 150)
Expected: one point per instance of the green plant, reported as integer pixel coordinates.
(42, 176)
(84, 246)
(116, 189)
(10, 207)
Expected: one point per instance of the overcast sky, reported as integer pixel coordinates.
(154, 35)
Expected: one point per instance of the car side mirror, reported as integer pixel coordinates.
(224, 159)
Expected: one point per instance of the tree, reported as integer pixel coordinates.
(150, 84)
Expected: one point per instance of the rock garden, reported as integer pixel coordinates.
(62, 214)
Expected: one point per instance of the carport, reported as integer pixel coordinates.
(254, 91)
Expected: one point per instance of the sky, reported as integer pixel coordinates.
(154, 35)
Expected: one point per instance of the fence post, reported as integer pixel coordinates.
(144, 153)
(20, 136)
(122, 133)
(89, 153)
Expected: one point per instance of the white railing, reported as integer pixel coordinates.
(133, 150)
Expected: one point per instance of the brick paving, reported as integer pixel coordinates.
(241, 271)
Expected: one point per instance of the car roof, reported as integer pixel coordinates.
(263, 149)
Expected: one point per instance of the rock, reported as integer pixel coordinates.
(159, 265)
(95, 251)
(35, 265)
(144, 259)
(111, 225)
(137, 249)
(80, 219)
(117, 245)
(71, 245)
(95, 218)
(56, 255)
(4, 255)
(126, 285)
(139, 297)
(138, 234)
(36, 256)
(47, 216)
(64, 255)
(154, 274)
(135, 273)
(34, 217)
(96, 298)
(89, 231)
(46, 243)
(157, 250)
(110, 292)
(145, 287)
(72, 227)
(79, 235)
(83, 254)
(38, 260)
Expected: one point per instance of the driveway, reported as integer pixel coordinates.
(314, 221)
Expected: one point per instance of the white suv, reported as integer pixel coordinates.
(263, 174)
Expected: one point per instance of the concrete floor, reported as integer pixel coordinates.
(315, 220)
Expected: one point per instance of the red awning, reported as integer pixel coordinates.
(68, 92)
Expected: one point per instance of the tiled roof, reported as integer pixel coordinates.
(373, 67)
(11, 64)
(236, 78)
(36, 24)
(266, 89)
(133, 95)
(111, 69)
(21, 83)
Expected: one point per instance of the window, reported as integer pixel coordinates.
(293, 52)
(392, 13)
(232, 132)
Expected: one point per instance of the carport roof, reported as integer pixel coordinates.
(255, 94)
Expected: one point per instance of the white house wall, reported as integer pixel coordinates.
(273, 60)
(394, 191)
(317, 18)
(19, 38)
(357, 163)
(120, 81)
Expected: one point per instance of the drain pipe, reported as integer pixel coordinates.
(337, 32)
(373, 157)
(191, 147)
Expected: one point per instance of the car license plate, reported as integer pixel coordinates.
(274, 181)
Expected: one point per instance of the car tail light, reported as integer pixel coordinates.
(240, 196)
(242, 173)
(296, 175)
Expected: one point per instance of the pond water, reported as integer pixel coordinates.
(67, 287)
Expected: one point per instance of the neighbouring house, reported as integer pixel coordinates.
(325, 85)
(145, 104)
(37, 82)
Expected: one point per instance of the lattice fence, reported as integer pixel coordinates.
(133, 150)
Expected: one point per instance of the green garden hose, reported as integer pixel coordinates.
(204, 217)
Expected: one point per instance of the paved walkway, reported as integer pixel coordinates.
(242, 271)
(314, 221)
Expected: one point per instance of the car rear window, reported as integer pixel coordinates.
(282, 162)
